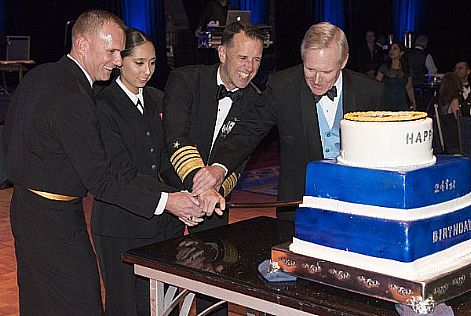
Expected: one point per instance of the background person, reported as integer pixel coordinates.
(216, 12)
(398, 88)
(419, 59)
(450, 113)
(462, 70)
(449, 94)
(369, 56)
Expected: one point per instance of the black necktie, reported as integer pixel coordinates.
(331, 94)
(140, 106)
(222, 93)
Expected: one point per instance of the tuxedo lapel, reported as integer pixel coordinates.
(209, 104)
(348, 99)
(233, 116)
(310, 119)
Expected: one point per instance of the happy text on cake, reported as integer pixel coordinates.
(419, 137)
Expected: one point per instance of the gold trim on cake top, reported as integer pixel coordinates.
(385, 116)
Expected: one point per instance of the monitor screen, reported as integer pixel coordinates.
(17, 47)
(237, 15)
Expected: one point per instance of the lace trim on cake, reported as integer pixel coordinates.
(385, 116)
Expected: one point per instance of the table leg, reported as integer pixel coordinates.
(156, 298)
(163, 302)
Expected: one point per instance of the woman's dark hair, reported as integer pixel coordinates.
(134, 38)
(403, 58)
(450, 88)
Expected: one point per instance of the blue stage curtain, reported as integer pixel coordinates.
(332, 11)
(140, 14)
(257, 7)
(405, 17)
(149, 17)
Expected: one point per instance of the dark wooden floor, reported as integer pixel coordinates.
(8, 286)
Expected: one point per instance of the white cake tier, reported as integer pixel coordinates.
(422, 269)
(386, 144)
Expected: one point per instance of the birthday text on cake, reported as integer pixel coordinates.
(419, 137)
(451, 231)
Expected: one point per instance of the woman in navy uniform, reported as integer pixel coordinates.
(129, 113)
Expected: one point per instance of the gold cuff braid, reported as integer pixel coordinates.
(229, 183)
(185, 160)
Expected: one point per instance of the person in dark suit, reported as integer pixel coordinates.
(462, 70)
(54, 156)
(202, 104)
(215, 11)
(131, 129)
(369, 55)
(420, 60)
(306, 104)
(215, 14)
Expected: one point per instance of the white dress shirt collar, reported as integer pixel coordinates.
(131, 95)
(329, 107)
(220, 82)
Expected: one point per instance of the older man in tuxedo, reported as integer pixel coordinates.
(306, 104)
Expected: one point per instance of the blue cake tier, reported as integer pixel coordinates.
(397, 240)
(447, 179)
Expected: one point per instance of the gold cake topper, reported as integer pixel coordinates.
(385, 116)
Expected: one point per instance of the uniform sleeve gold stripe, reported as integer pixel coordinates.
(229, 184)
(184, 160)
(182, 151)
(189, 166)
(189, 162)
(183, 155)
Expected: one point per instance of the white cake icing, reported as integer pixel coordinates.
(387, 213)
(386, 144)
(419, 270)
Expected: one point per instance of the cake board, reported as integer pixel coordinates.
(421, 296)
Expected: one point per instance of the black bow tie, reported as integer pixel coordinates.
(465, 85)
(222, 93)
(331, 94)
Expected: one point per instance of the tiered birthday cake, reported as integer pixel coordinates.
(388, 205)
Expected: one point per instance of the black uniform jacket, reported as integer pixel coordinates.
(190, 112)
(132, 139)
